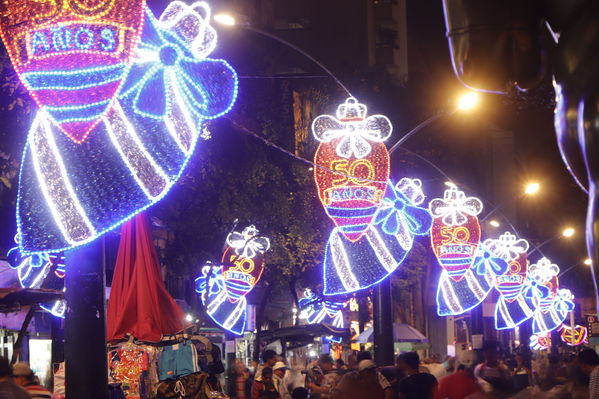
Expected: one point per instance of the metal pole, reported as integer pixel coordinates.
(85, 323)
(383, 324)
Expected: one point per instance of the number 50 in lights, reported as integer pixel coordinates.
(351, 144)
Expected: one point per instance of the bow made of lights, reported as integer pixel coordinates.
(211, 280)
(454, 208)
(248, 243)
(487, 262)
(507, 246)
(399, 211)
(355, 132)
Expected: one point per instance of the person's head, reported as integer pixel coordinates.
(490, 351)
(340, 364)
(267, 375)
(299, 393)
(279, 369)
(519, 360)
(588, 360)
(367, 369)
(408, 361)
(22, 374)
(317, 375)
(269, 357)
(352, 362)
(325, 362)
(363, 355)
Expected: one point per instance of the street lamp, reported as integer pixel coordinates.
(225, 19)
(467, 101)
(588, 262)
(494, 223)
(532, 188)
(568, 232)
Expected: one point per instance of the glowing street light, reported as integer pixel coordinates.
(189, 317)
(568, 232)
(588, 262)
(532, 188)
(467, 101)
(494, 223)
(225, 19)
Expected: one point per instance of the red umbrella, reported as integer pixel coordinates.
(139, 303)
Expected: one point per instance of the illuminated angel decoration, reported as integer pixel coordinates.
(248, 243)
(354, 128)
(507, 246)
(454, 208)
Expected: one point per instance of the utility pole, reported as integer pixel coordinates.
(384, 352)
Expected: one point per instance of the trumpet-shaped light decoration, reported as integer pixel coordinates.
(513, 307)
(455, 234)
(574, 336)
(351, 266)
(135, 89)
(352, 166)
(223, 288)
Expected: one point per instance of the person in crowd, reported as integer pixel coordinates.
(360, 384)
(457, 385)
(588, 361)
(279, 370)
(521, 374)
(383, 381)
(340, 364)
(24, 376)
(8, 389)
(242, 375)
(265, 388)
(314, 382)
(416, 385)
(330, 377)
(493, 374)
(435, 367)
(300, 393)
(269, 358)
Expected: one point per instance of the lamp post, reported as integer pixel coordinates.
(567, 232)
(530, 189)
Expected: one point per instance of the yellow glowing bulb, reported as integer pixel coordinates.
(568, 232)
(225, 19)
(588, 262)
(494, 223)
(467, 101)
(532, 188)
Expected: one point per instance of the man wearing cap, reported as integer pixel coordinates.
(279, 370)
(363, 383)
(23, 376)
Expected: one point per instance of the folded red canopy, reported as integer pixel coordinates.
(139, 303)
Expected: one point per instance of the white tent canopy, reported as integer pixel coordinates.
(401, 333)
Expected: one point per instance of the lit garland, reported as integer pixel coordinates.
(574, 336)
(223, 288)
(351, 266)
(143, 137)
(315, 310)
(352, 145)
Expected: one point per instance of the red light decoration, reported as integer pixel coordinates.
(351, 145)
(455, 234)
(72, 55)
(510, 284)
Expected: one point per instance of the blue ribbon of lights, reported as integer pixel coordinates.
(401, 211)
(486, 262)
(535, 290)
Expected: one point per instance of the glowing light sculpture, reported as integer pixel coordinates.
(133, 89)
(574, 336)
(352, 145)
(540, 342)
(315, 310)
(40, 271)
(351, 266)
(455, 238)
(455, 234)
(552, 304)
(223, 288)
(512, 307)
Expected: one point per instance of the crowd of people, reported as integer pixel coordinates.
(572, 377)
(19, 382)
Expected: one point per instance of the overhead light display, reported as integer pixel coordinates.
(574, 336)
(315, 310)
(122, 100)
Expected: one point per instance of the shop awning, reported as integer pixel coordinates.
(401, 333)
(13, 299)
